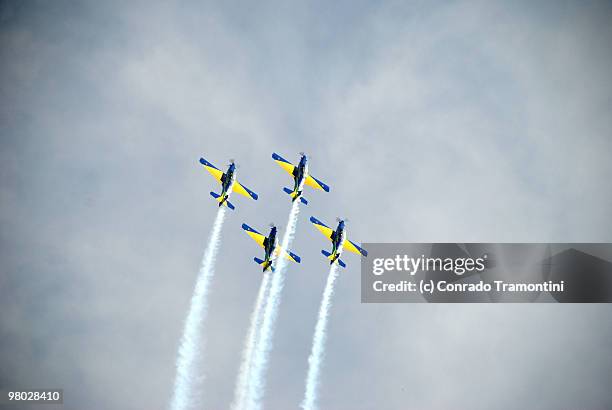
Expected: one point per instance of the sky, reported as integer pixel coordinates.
(450, 121)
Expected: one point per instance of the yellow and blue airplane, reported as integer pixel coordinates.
(271, 248)
(300, 177)
(228, 183)
(339, 241)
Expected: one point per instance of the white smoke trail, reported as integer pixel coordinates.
(317, 354)
(242, 384)
(188, 378)
(257, 382)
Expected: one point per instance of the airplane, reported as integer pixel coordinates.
(270, 245)
(228, 183)
(300, 177)
(339, 241)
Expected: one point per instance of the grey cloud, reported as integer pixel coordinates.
(461, 121)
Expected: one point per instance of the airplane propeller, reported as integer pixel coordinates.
(273, 225)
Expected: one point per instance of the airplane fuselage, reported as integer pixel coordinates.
(270, 244)
(299, 176)
(338, 239)
(227, 183)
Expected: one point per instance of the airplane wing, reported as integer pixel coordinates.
(288, 255)
(325, 230)
(257, 237)
(316, 184)
(292, 257)
(353, 247)
(214, 171)
(242, 190)
(286, 165)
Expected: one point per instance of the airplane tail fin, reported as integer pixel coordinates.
(219, 199)
(265, 265)
(332, 260)
(294, 195)
(327, 254)
(290, 192)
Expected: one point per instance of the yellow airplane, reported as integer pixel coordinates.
(300, 177)
(228, 183)
(339, 241)
(270, 245)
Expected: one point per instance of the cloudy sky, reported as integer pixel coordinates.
(448, 121)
